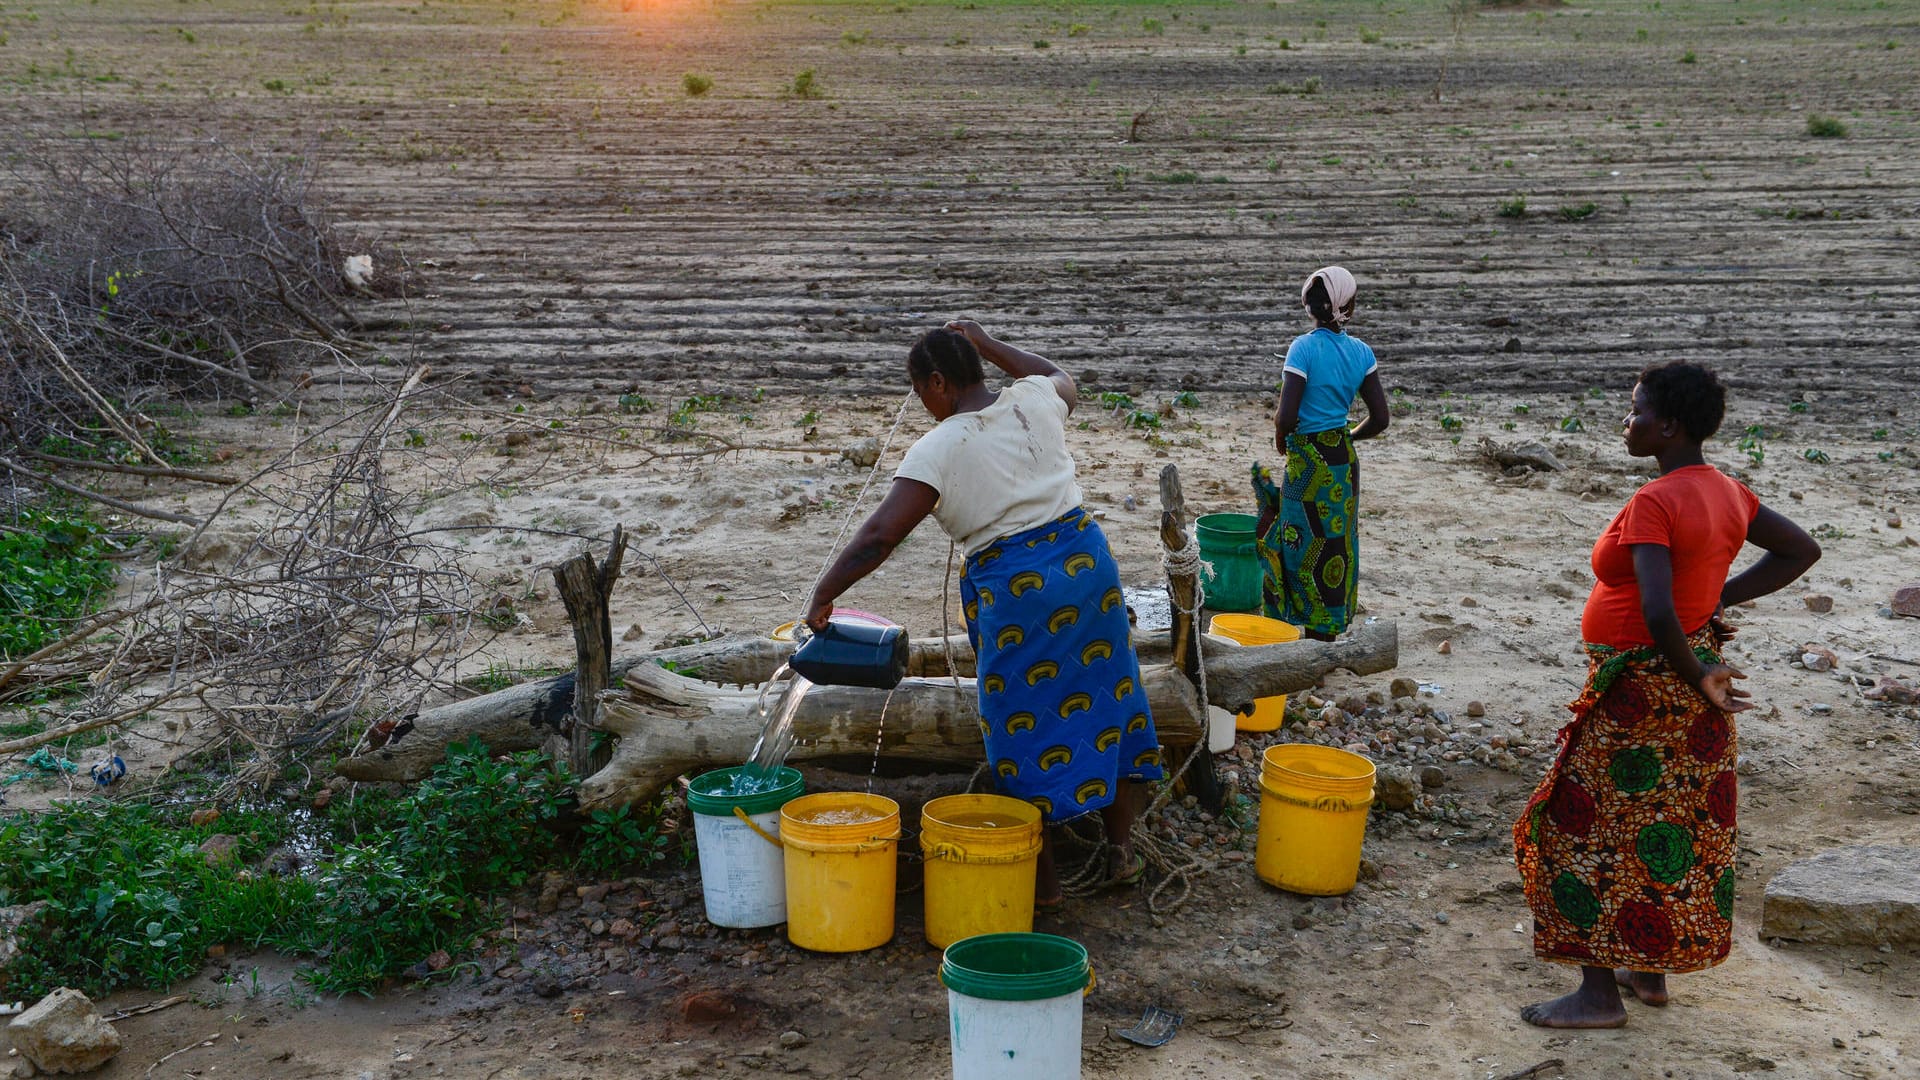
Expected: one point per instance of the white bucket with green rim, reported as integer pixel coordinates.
(742, 867)
(1013, 1006)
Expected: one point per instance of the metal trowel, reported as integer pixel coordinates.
(1157, 1027)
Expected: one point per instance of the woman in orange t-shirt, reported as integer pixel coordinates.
(1626, 849)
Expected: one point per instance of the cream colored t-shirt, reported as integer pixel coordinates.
(1001, 470)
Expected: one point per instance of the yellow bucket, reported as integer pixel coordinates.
(1268, 712)
(1313, 815)
(981, 855)
(840, 861)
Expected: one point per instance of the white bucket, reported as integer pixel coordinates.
(1221, 724)
(743, 876)
(1028, 1027)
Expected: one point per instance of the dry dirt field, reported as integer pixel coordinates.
(1536, 201)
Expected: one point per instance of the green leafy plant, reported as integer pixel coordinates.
(1187, 399)
(1817, 456)
(52, 569)
(614, 840)
(635, 403)
(695, 85)
(1579, 213)
(805, 85)
(1752, 442)
(1825, 127)
(1571, 424)
(1515, 207)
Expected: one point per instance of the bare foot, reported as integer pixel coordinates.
(1649, 986)
(1596, 1004)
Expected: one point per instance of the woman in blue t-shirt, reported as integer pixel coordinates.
(1309, 532)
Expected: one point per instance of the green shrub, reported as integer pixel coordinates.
(134, 902)
(805, 85)
(52, 569)
(1825, 127)
(1515, 207)
(1579, 213)
(695, 85)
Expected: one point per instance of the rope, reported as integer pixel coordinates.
(833, 550)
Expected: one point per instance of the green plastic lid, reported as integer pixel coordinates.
(1015, 967)
(713, 793)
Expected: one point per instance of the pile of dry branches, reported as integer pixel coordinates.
(145, 271)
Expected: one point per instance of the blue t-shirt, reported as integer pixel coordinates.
(1334, 365)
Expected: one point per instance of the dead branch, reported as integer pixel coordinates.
(95, 496)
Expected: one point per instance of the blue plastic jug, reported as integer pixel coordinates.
(854, 654)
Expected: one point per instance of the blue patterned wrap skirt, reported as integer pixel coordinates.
(1062, 710)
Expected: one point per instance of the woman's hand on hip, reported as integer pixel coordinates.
(1716, 685)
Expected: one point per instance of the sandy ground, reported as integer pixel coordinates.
(594, 231)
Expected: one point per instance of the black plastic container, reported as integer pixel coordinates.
(854, 654)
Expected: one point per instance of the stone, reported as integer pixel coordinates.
(1889, 689)
(1817, 657)
(863, 453)
(63, 1034)
(792, 1040)
(1907, 602)
(1476, 709)
(1468, 601)
(705, 1007)
(1396, 787)
(206, 815)
(1445, 648)
(1866, 894)
(220, 848)
(1819, 603)
(1404, 687)
(1433, 777)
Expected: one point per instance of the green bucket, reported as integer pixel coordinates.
(1016, 967)
(713, 793)
(1230, 569)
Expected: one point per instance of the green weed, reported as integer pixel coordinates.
(52, 569)
(695, 85)
(1826, 127)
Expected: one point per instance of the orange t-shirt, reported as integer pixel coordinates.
(1697, 513)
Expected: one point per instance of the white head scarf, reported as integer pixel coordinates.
(1340, 290)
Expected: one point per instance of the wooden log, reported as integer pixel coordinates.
(585, 589)
(669, 725)
(520, 717)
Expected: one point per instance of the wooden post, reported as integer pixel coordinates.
(585, 589)
(1182, 590)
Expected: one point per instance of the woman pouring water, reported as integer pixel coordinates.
(1062, 710)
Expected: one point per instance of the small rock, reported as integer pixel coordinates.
(1893, 691)
(1819, 603)
(518, 438)
(1468, 601)
(792, 1040)
(1818, 657)
(322, 798)
(593, 894)
(1433, 777)
(1476, 709)
(1404, 687)
(63, 1034)
(633, 633)
(220, 848)
(863, 453)
(206, 815)
(599, 928)
(1446, 648)
(705, 1007)
(1907, 602)
(1396, 787)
